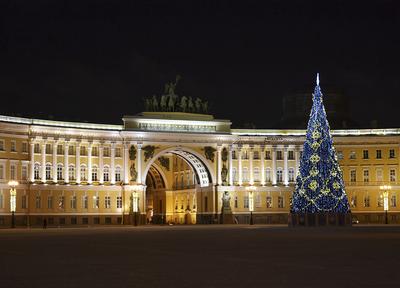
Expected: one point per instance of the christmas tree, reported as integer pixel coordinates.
(319, 185)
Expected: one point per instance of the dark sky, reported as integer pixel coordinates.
(96, 60)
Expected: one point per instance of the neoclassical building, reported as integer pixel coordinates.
(175, 167)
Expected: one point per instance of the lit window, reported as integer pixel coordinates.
(59, 149)
(380, 201)
(291, 174)
(50, 202)
(96, 202)
(71, 150)
(291, 155)
(48, 149)
(352, 155)
(340, 155)
(119, 202)
(353, 201)
(353, 176)
(106, 152)
(83, 151)
(117, 152)
(393, 201)
(258, 200)
(24, 147)
(38, 202)
(24, 173)
(256, 174)
(48, 171)
(366, 201)
(391, 153)
(278, 155)
(73, 202)
(269, 202)
(1, 171)
(61, 202)
(36, 171)
(118, 174)
(268, 155)
(94, 173)
(95, 151)
(60, 174)
(13, 173)
(107, 202)
(365, 154)
(85, 202)
(246, 202)
(256, 155)
(106, 173)
(279, 175)
(37, 148)
(366, 176)
(378, 154)
(2, 145)
(13, 146)
(392, 175)
(267, 175)
(245, 174)
(280, 202)
(83, 173)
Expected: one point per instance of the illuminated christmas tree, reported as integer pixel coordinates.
(319, 185)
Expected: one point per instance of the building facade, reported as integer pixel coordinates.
(175, 167)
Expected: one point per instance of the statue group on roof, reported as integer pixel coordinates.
(171, 102)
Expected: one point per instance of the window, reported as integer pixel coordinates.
(236, 202)
(1, 171)
(23, 202)
(71, 172)
(353, 201)
(1, 200)
(291, 155)
(257, 200)
(85, 202)
(83, 173)
(119, 202)
(48, 171)
(73, 202)
(256, 155)
(245, 174)
(118, 174)
(352, 155)
(245, 155)
(96, 202)
(279, 175)
(107, 220)
(74, 220)
(61, 202)
(59, 149)
(392, 175)
(83, 151)
(366, 176)
(106, 173)
(95, 151)
(278, 155)
(117, 152)
(71, 150)
(378, 154)
(38, 203)
(379, 175)
(50, 202)
(2, 145)
(234, 154)
(36, 171)
(256, 174)
(291, 174)
(94, 173)
(268, 155)
(48, 149)
(280, 202)
(13, 146)
(107, 202)
(340, 155)
(24, 172)
(267, 175)
(366, 201)
(13, 174)
(106, 152)
(85, 221)
(246, 202)
(234, 174)
(353, 176)
(393, 202)
(380, 201)
(24, 147)
(269, 202)
(37, 148)
(365, 154)
(391, 153)
(60, 174)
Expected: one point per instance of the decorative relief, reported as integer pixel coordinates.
(133, 172)
(132, 153)
(209, 153)
(149, 152)
(164, 161)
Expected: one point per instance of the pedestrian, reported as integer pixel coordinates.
(44, 223)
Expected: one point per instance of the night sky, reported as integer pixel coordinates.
(95, 60)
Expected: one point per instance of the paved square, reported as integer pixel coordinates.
(201, 256)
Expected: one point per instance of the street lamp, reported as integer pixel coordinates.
(13, 200)
(385, 189)
(251, 189)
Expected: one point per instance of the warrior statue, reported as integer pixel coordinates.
(205, 107)
(163, 103)
(198, 105)
(183, 104)
(155, 103)
(190, 106)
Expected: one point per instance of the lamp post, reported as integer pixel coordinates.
(251, 189)
(13, 200)
(385, 189)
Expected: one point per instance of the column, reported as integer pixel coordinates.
(297, 159)
(219, 167)
(230, 166)
(55, 144)
(126, 163)
(89, 163)
(285, 167)
(251, 178)
(262, 162)
(78, 163)
(273, 165)
(112, 164)
(240, 166)
(101, 164)
(32, 162)
(139, 163)
(66, 164)
(43, 172)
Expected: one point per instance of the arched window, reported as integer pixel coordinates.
(71, 172)
(83, 172)
(94, 173)
(267, 175)
(117, 174)
(279, 175)
(245, 174)
(291, 174)
(60, 174)
(256, 174)
(36, 170)
(48, 171)
(106, 173)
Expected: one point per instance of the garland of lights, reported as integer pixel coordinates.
(319, 185)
